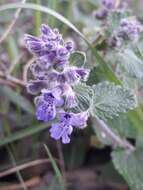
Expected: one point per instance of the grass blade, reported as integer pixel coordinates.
(44, 10)
(55, 167)
(23, 133)
(37, 19)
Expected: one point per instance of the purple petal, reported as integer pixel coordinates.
(45, 112)
(109, 4)
(34, 87)
(69, 46)
(56, 131)
(71, 75)
(101, 13)
(79, 120)
(34, 44)
(83, 73)
(45, 29)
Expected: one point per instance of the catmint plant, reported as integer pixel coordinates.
(53, 82)
(129, 30)
(108, 6)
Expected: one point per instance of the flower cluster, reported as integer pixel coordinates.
(107, 6)
(54, 79)
(128, 30)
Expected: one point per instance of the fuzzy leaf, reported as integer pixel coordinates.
(129, 165)
(78, 59)
(132, 63)
(109, 100)
(84, 95)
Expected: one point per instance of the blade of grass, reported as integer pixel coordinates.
(11, 25)
(23, 133)
(55, 167)
(37, 19)
(12, 49)
(53, 5)
(44, 10)
(17, 172)
(104, 67)
(17, 99)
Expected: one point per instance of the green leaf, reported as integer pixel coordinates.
(132, 63)
(124, 127)
(78, 58)
(129, 165)
(109, 100)
(17, 99)
(84, 95)
(37, 19)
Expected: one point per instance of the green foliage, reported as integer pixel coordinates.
(56, 169)
(129, 164)
(109, 100)
(23, 133)
(78, 59)
(17, 99)
(132, 64)
(113, 20)
(84, 96)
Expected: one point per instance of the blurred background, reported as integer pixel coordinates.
(85, 164)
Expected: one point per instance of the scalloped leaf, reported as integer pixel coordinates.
(129, 165)
(109, 100)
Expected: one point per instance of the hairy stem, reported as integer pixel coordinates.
(102, 126)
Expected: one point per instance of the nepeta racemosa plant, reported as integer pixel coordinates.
(120, 34)
(117, 23)
(61, 97)
(54, 79)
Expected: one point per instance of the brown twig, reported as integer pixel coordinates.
(29, 184)
(11, 25)
(10, 79)
(24, 166)
(6, 82)
(25, 72)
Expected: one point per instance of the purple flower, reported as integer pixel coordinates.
(68, 121)
(35, 86)
(79, 120)
(46, 109)
(109, 4)
(46, 105)
(129, 29)
(74, 75)
(49, 34)
(70, 98)
(38, 72)
(54, 79)
(69, 46)
(101, 13)
(83, 73)
(62, 54)
(33, 44)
